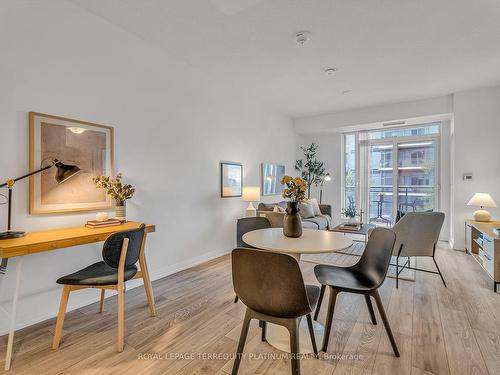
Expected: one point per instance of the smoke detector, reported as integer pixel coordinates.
(329, 71)
(302, 37)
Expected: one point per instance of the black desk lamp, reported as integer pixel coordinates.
(64, 171)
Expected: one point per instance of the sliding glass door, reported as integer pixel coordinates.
(401, 175)
(381, 183)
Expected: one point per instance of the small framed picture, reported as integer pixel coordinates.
(271, 178)
(231, 179)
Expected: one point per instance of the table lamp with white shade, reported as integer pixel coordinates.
(251, 194)
(482, 200)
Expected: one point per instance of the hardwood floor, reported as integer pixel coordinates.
(454, 330)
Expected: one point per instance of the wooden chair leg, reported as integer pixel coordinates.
(60, 316)
(120, 319)
(370, 308)
(241, 343)
(381, 310)
(311, 333)
(147, 286)
(101, 304)
(236, 299)
(329, 318)
(320, 299)
(295, 347)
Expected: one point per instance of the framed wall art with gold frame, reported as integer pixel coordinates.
(85, 144)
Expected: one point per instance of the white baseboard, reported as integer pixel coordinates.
(155, 274)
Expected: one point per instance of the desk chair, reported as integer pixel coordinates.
(365, 277)
(120, 253)
(272, 288)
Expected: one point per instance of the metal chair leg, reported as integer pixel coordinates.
(381, 310)
(241, 343)
(263, 333)
(397, 272)
(370, 309)
(320, 299)
(329, 318)
(439, 271)
(311, 333)
(236, 299)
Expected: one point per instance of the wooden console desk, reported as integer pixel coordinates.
(484, 246)
(49, 240)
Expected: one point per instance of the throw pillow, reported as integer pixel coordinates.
(314, 203)
(306, 210)
(278, 209)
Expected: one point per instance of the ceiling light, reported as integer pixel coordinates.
(302, 37)
(346, 92)
(330, 71)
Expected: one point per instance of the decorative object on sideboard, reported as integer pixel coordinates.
(295, 189)
(231, 179)
(116, 190)
(326, 178)
(271, 178)
(101, 216)
(69, 140)
(482, 200)
(251, 194)
(63, 173)
(311, 170)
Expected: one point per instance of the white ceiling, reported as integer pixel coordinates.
(385, 50)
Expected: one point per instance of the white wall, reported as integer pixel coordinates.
(173, 125)
(476, 149)
(376, 114)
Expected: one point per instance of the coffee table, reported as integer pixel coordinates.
(364, 230)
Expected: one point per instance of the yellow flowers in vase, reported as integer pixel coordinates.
(117, 190)
(295, 188)
(295, 191)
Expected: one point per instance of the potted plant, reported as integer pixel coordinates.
(350, 212)
(294, 192)
(311, 169)
(117, 190)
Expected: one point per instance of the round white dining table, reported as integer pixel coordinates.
(311, 242)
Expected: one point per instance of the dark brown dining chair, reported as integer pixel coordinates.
(245, 225)
(120, 253)
(272, 288)
(365, 277)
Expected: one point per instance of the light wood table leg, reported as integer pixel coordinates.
(10, 342)
(146, 280)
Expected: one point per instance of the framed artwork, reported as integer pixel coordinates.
(271, 178)
(231, 179)
(87, 145)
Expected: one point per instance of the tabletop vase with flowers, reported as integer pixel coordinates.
(118, 191)
(294, 192)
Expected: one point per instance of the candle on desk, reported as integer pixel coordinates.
(101, 216)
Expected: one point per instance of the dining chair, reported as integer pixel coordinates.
(417, 234)
(120, 253)
(272, 288)
(245, 225)
(364, 277)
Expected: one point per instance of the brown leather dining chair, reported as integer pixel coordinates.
(364, 277)
(245, 225)
(272, 288)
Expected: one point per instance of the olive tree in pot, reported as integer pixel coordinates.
(311, 169)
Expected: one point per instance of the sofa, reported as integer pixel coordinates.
(320, 222)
